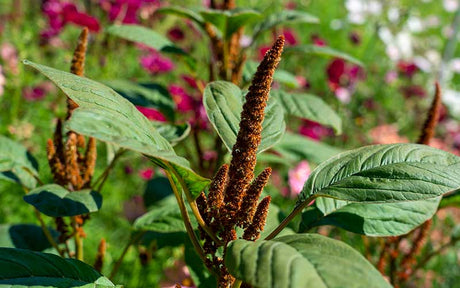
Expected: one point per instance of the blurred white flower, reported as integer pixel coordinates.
(343, 94)
(245, 41)
(358, 10)
(452, 100)
(450, 5)
(414, 24)
(393, 14)
(454, 65)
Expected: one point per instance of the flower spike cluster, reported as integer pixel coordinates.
(233, 198)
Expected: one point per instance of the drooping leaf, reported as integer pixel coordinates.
(373, 219)
(25, 236)
(140, 34)
(322, 51)
(298, 147)
(174, 133)
(23, 268)
(385, 173)
(223, 102)
(107, 116)
(14, 160)
(282, 18)
(307, 260)
(150, 95)
(182, 12)
(310, 107)
(229, 21)
(56, 201)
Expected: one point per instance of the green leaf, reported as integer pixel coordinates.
(298, 147)
(140, 34)
(174, 133)
(14, 160)
(223, 102)
(156, 190)
(23, 268)
(25, 236)
(229, 21)
(385, 173)
(380, 219)
(281, 76)
(322, 51)
(307, 260)
(164, 217)
(183, 12)
(150, 95)
(107, 116)
(56, 201)
(284, 17)
(310, 107)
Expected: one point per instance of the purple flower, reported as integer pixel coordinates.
(155, 63)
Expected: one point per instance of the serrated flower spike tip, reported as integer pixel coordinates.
(249, 135)
(431, 121)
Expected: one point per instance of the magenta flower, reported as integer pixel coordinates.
(314, 130)
(413, 91)
(290, 37)
(184, 101)
(151, 113)
(297, 177)
(37, 92)
(342, 78)
(125, 11)
(262, 50)
(2, 81)
(176, 34)
(318, 41)
(407, 69)
(9, 55)
(154, 63)
(146, 174)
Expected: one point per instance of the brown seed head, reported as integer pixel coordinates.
(252, 233)
(99, 262)
(78, 65)
(216, 191)
(71, 162)
(432, 119)
(249, 135)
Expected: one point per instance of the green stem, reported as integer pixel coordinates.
(288, 219)
(78, 241)
(237, 283)
(47, 233)
(117, 265)
(103, 177)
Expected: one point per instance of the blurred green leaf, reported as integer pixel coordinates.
(229, 21)
(223, 102)
(174, 133)
(25, 236)
(321, 51)
(182, 12)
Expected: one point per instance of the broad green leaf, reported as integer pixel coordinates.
(15, 160)
(182, 12)
(298, 147)
(385, 173)
(307, 260)
(322, 51)
(223, 102)
(163, 217)
(229, 21)
(284, 17)
(310, 107)
(56, 201)
(107, 116)
(156, 190)
(25, 236)
(174, 133)
(23, 268)
(140, 34)
(281, 76)
(151, 95)
(379, 219)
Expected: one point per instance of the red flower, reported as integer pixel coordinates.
(342, 77)
(290, 37)
(176, 34)
(413, 90)
(407, 69)
(318, 41)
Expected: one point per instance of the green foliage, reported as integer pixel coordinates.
(385, 173)
(307, 260)
(107, 116)
(56, 201)
(183, 12)
(228, 22)
(224, 101)
(17, 164)
(46, 270)
(25, 236)
(322, 51)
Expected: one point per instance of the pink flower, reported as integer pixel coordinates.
(125, 10)
(391, 77)
(184, 101)
(176, 34)
(10, 56)
(297, 177)
(342, 78)
(407, 69)
(146, 174)
(2, 81)
(37, 92)
(290, 37)
(314, 130)
(151, 113)
(318, 41)
(178, 274)
(386, 134)
(209, 155)
(302, 81)
(155, 63)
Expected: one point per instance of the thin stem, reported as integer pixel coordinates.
(103, 177)
(288, 219)
(188, 226)
(78, 241)
(195, 209)
(47, 233)
(40, 182)
(430, 255)
(123, 254)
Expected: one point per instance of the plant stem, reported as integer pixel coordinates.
(47, 233)
(78, 241)
(131, 241)
(103, 177)
(237, 283)
(288, 219)
(430, 255)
